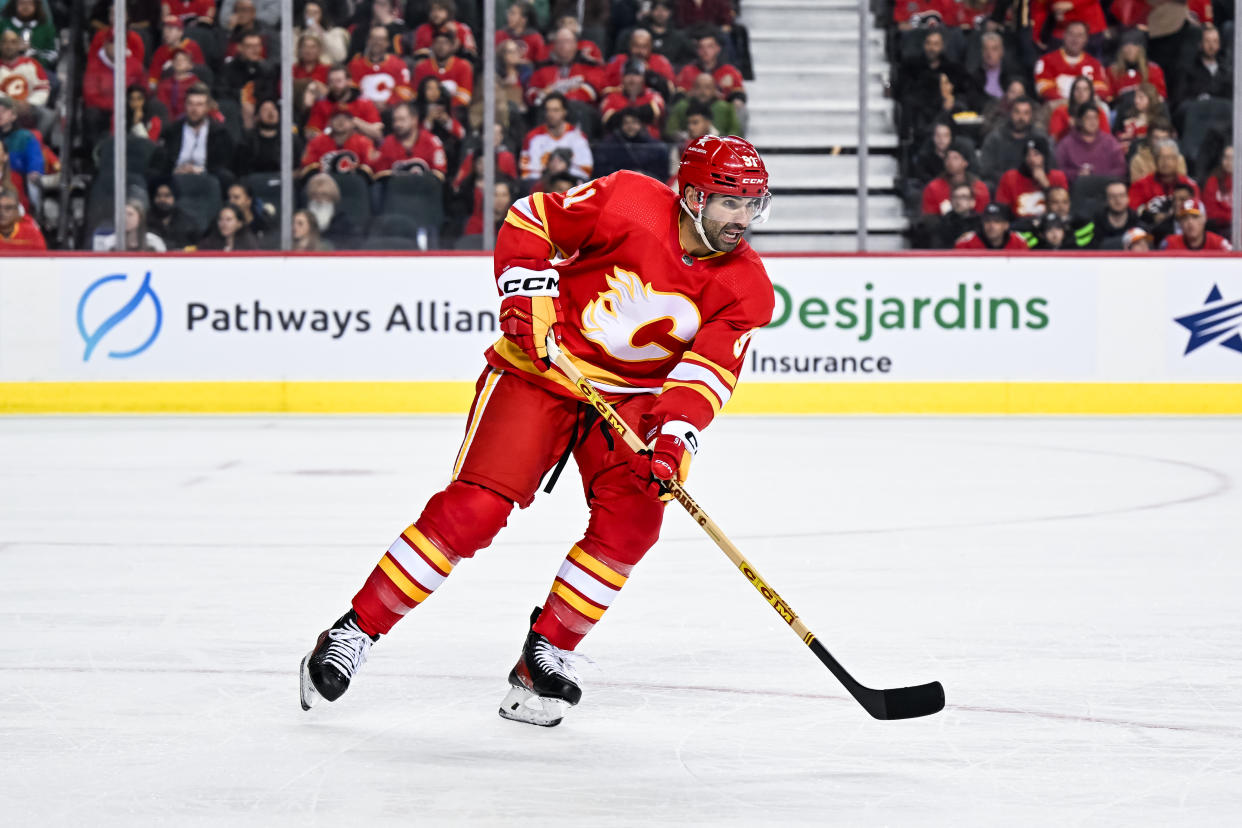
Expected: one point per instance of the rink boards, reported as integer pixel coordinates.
(851, 334)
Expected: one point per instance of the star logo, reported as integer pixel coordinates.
(1218, 321)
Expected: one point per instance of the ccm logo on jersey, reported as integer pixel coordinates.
(523, 281)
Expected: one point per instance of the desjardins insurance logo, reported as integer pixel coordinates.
(123, 312)
(967, 308)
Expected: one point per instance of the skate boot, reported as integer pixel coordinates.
(543, 683)
(338, 654)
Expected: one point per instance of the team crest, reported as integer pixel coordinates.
(616, 320)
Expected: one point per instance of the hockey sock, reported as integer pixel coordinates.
(584, 588)
(412, 568)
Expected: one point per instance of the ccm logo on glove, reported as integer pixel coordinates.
(528, 283)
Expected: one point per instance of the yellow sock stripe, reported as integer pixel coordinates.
(403, 583)
(429, 549)
(570, 597)
(601, 569)
(492, 378)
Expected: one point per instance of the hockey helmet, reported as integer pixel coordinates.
(730, 167)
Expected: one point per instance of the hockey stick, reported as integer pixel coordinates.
(898, 703)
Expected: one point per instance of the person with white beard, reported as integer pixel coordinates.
(322, 198)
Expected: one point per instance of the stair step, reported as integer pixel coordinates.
(825, 242)
(812, 125)
(798, 5)
(820, 213)
(828, 139)
(843, 54)
(804, 171)
(823, 18)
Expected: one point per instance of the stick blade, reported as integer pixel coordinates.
(908, 702)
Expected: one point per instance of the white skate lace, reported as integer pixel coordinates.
(347, 649)
(554, 660)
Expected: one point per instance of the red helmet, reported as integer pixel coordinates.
(730, 166)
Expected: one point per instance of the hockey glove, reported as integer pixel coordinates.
(529, 308)
(671, 444)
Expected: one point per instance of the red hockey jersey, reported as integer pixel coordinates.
(975, 241)
(1211, 241)
(1055, 73)
(378, 81)
(455, 75)
(641, 315)
(427, 153)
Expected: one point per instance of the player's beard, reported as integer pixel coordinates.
(716, 234)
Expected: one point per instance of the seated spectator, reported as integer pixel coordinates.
(919, 87)
(1194, 236)
(691, 13)
(259, 150)
(660, 75)
(555, 133)
(699, 122)
(166, 218)
(25, 151)
(377, 72)
(1131, 68)
(177, 83)
(29, 18)
(22, 78)
(17, 231)
(703, 92)
(442, 14)
(996, 112)
(587, 49)
(1023, 188)
(1136, 240)
(666, 39)
(512, 74)
(519, 27)
(268, 11)
(1152, 196)
(997, 68)
(344, 96)
(502, 199)
(956, 171)
(1055, 71)
(311, 65)
(11, 179)
(322, 197)
(1163, 225)
(1143, 158)
(258, 216)
(191, 11)
(306, 236)
(1211, 74)
(433, 101)
(174, 39)
(97, 80)
(1115, 219)
(1005, 148)
(135, 48)
(455, 74)
(386, 13)
(1133, 122)
(341, 149)
(410, 149)
(995, 233)
(962, 218)
(197, 143)
(137, 236)
(635, 97)
(915, 14)
(728, 79)
(229, 232)
(628, 127)
(1061, 18)
(1082, 91)
(248, 78)
(1052, 233)
(929, 160)
(139, 115)
(332, 38)
(1057, 200)
(1088, 150)
(566, 74)
(243, 23)
(1218, 194)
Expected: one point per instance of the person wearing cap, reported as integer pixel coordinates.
(658, 71)
(342, 94)
(956, 171)
(1023, 189)
(341, 149)
(455, 74)
(1195, 237)
(1136, 240)
(995, 234)
(566, 73)
(174, 39)
(176, 84)
(1132, 68)
(634, 95)
(1089, 150)
(1053, 233)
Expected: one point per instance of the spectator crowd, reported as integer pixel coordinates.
(388, 114)
(1065, 124)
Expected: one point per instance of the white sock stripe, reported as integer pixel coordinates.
(689, 372)
(413, 563)
(587, 584)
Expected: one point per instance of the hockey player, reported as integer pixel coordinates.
(654, 295)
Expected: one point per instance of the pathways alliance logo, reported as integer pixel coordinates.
(1219, 321)
(131, 327)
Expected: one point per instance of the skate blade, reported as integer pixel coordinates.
(521, 705)
(308, 694)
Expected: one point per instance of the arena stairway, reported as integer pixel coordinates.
(803, 117)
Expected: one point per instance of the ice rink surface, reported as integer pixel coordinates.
(1074, 583)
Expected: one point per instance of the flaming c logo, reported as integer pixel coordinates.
(131, 332)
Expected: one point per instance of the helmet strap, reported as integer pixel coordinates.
(697, 218)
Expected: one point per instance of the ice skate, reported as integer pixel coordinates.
(338, 654)
(543, 683)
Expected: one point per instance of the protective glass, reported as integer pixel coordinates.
(726, 208)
